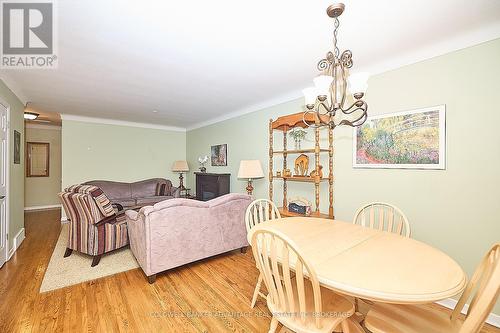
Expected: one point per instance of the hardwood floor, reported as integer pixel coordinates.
(208, 296)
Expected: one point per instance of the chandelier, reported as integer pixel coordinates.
(326, 101)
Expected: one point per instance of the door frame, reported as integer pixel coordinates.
(7, 181)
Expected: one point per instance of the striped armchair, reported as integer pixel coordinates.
(94, 226)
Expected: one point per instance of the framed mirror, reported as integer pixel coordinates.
(37, 159)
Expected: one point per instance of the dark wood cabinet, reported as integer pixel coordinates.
(211, 185)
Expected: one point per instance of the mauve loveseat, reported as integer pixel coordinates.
(179, 231)
(142, 193)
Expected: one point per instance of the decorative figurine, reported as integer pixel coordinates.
(313, 173)
(203, 160)
(301, 165)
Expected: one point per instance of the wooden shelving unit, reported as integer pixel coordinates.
(299, 151)
(286, 212)
(301, 179)
(285, 124)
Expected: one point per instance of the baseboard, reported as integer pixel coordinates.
(42, 207)
(493, 319)
(18, 239)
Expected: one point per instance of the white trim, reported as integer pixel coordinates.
(18, 239)
(7, 181)
(42, 207)
(493, 319)
(252, 108)
(449, 45)
(84, 119)
(42, 126)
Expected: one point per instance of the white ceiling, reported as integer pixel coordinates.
(199, 61)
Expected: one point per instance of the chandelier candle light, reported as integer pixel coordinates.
(326, 101)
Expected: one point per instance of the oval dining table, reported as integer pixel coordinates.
(371, 264)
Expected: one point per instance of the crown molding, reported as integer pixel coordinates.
(120, 123)
(456, 43)
(290, 96)
(43, 126)
(446, 46)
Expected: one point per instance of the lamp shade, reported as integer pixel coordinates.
(323, 83)
(310, 95)
(180, 166)
(250, 169)
(358, 83)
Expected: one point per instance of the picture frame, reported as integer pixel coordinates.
(413, 139)
(17, 147)
(37, 159)
(218, 155)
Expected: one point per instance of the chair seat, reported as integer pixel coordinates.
(335, 309)
(391, 318)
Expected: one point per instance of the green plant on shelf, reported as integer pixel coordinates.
(298, 134)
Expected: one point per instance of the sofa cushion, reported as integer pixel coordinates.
(113, 190)
(146, 188)
(125, 202)
(151, 200)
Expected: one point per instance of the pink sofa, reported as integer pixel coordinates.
(179, 231)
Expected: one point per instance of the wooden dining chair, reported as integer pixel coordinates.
(383, 216)
(386, 318)
(297, 301)
(258, 211)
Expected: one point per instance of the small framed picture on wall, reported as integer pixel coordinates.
(17, 147)
(219, 155)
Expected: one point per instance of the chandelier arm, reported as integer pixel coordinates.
(359, 104)
(356, 122)
(326, 107)
(313, 125)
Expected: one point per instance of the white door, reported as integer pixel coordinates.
(4, 163)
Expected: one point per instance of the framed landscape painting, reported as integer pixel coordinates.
(413, 139)
(219, 155)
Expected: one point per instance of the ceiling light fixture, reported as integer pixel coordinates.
(30, 115)
(326, 101)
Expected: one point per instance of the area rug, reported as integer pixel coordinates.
(62, 272)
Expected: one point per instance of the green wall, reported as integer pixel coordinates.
(455, 210)
(16, 190)
(42, 191)
(93, 151)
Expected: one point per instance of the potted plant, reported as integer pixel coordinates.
(298, 134)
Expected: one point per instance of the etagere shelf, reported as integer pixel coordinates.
(284, 124)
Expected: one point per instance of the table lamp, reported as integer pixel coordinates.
(250, 169)
(180, 167)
